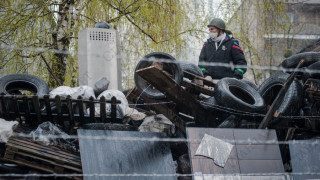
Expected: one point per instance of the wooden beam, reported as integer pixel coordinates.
(175, 92)
(159, 108)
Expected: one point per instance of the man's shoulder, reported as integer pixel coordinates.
(208, 41)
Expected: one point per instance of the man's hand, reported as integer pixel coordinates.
(237, 74)
(209, 78)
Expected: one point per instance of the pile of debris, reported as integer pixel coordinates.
(169, 98)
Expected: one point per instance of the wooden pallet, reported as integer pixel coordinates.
(45, 158)
(33, 110)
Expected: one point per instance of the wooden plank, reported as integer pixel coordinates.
(48, 106)
(19, 159)
(59, 111)
(159, 108)
(103, 109)
(26, 108)
(198, 88)
(1, 107)
(176, 93)
(6, 107)
(81, 110)
(91, 110)
(113, 109)
(102, 156)
(54, 163)
(70, 121)
(205, 81)
(56, 152)
(16, 108)
(36, 106)
(43, 154)
(45, 148)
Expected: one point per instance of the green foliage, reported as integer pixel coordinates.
(253, 24)
(288, 53)
(50, 28)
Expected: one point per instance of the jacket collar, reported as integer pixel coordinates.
(227, 38)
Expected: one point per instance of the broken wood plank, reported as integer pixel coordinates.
(176, 93)
(160, 108)
(202, 80)
(197, 88)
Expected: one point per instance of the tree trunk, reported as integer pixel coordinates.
(59, 69)
(61, 36)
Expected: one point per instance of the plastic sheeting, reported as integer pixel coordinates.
(214, 148)
(49, 134)
(134, 114)
(157, 123)
(6, 129)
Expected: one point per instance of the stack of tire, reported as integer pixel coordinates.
(243, 95)
(310, 69)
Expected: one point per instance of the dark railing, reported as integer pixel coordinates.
(67, 112)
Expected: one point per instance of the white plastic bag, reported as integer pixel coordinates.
(108, 94)
(63, 91)
(6, 129)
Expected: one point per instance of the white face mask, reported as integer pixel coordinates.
(213, 34)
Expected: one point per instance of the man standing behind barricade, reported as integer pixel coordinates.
(221, 48)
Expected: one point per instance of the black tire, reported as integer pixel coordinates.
(250, 84)
(13, 83)
(293, 61)
(172, 68)
(233, 93)
(209, 102)
(126, 91)
(292, 100)
(229, 122)
(314, 124)
(191, 68)
(312, 71)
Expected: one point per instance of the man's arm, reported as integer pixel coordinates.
(238, 58)
(203, 59)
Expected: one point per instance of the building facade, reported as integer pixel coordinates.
(271, 31)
